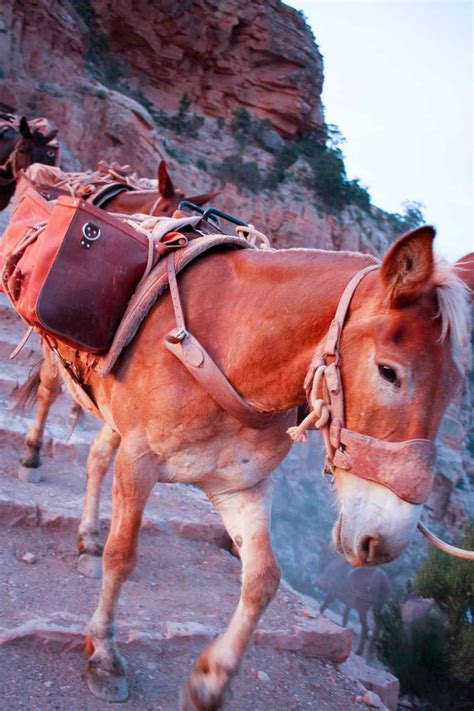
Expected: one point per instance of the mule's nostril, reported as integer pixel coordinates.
(368, 548)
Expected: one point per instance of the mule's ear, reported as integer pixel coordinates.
(202, 199)
(165, 185)
(24, 128)
(408, 266)
(52, 134)
(464, 269)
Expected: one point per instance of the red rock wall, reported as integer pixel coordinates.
(225, 54)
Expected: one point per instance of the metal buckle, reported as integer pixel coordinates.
(327, 473)
(181, 334)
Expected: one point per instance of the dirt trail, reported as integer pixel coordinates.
(181, 594)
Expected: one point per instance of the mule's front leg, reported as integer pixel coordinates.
(246, 516)
(101, 452)
(106, 668)
(49, 387)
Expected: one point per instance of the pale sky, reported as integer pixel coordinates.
(399, 84)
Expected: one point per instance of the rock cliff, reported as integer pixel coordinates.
(111, 75)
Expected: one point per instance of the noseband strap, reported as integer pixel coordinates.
(406, 468)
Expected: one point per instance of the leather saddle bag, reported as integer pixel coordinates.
(72, 276)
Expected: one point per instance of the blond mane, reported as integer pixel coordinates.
(454, 311)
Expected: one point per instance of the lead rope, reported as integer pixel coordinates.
(319, 418)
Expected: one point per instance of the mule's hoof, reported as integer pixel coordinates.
(105, 686)
(186, 701)
(30, 474)
(90, 565)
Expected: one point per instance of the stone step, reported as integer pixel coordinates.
(58, 440)
(28, 355)
(45, 679)
(181, 589)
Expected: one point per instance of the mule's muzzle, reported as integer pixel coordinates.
(406, 468)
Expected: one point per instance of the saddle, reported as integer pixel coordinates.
(71, 270)
(97, 187)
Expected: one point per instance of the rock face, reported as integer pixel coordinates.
(224, 54)
(103, 73)
(384, 684)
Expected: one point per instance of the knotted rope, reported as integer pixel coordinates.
(319, 418)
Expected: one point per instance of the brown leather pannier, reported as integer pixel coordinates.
(75, 278)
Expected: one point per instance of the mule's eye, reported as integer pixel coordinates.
(51, 153)
(389, 374)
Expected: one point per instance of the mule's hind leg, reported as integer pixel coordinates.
(246, 516)
(132, 485)
(49, 387)
(328, 600)
(90, 549)
(363, 631)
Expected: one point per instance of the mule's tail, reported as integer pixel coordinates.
(27, 394)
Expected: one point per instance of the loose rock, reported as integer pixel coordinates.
(29, 558)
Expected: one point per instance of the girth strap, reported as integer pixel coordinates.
(202, 367)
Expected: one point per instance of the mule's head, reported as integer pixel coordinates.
(402, 352)
(171, 196)
(34, 147)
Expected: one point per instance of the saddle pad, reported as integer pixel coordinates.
(151, 289)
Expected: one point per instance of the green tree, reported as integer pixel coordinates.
(450, 582)
(181, 117)
(433, 657)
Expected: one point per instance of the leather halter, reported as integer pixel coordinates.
(406, 468)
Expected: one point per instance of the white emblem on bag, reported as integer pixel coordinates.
(90, 233)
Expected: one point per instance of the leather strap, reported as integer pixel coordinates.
(106, 193)
(202, 367)
(333, 390)
(333, 337)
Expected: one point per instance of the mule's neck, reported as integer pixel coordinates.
(298, 292)
(130, 203)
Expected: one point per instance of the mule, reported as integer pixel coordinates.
(20, 147)
(361, 589)
(264, 316)
(138, 195)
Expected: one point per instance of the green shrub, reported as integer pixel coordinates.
(182, 122)
(433, 658)
(242, 121)
(450, 581)
(201, 164)
(411, 217)
(415, 654)
(243, 174)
